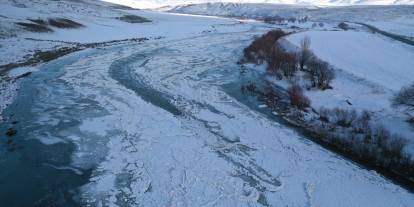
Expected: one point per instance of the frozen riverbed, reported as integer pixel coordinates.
(155, 124)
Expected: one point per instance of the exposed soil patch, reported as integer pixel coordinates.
(41, 25)
(64, 23)
(133, 19)
(34, 27)
(347, 132)
(38, 21)
(39, 56)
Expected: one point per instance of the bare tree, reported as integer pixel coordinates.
(325, 76)
(313, 72)
(305, 53)
(282, 63)
(362, 124)
(289, 65)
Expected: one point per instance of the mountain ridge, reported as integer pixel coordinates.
(148, 4)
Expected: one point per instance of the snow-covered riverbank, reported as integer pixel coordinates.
(370, 70)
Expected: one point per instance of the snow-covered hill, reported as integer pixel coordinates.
(316, 13)
(397, 19)
(162, 3)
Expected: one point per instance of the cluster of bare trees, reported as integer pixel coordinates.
(351, 132)
(405, 97)
(282, 63)
(347, 130)
(346, 118)
(355, 133)
(319, 74)
(262, 49)
(286, 64)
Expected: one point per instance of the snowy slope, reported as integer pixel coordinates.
(355, 13)
(393, 19)
(370, 57)
(98, 18)
(369, 70)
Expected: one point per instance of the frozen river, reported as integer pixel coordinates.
(160, 123)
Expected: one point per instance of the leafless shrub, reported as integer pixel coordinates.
(381, 135)
(354, 133)
(297, 98)
(249, 88)
(405, 97)
(395, 147)
(271, 97)
(361, 125)
(344, 118)
(324, 114)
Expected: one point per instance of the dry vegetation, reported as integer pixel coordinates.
(355, 133)
(38, 57)
(348, 131)
(297, 98)
(284, 64)
(405, 97)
